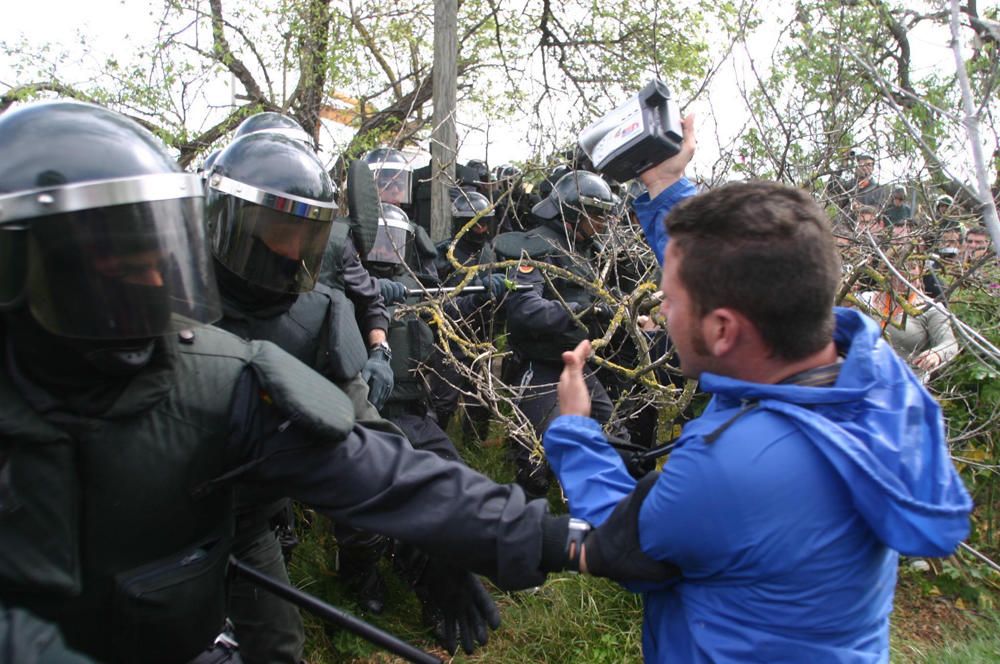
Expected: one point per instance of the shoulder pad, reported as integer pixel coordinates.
(363, 204)
(425, 246)
(309, 399)
(511, 245)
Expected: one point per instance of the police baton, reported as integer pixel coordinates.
(411, 292)
(332, 614)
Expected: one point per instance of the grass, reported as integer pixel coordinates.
(977, 642)
(583, 619)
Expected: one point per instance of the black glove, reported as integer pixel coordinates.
(455, 603)
(378, 374)
(496, 286)
(604, 312)
(393, 292)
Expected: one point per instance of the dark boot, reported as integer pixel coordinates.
(475, 430)
(369, 587)
(533, 477)
(358, 565)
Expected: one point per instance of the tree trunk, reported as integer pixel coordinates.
(444, 138)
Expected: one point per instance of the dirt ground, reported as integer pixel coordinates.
(928, 620)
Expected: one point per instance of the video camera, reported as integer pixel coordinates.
(636, 136)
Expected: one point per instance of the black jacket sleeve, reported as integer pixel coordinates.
(376, 481)
(362, 288)
(530, 312)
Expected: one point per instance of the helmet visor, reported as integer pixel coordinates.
(269, 248)
(130, 271)
(393, 185)
(390, 242)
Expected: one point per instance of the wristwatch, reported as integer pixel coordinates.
(382, 346)
(576, 534)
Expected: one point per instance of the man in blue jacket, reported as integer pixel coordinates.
(820, 456)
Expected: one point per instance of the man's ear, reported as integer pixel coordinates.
(722, 331)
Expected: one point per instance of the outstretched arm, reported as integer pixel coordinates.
(666, 186)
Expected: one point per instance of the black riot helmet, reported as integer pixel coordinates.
(206, 168)
(481, 169)
(505, 178)
(506, 173)
(275, 123)
(270, 210)
(393, 175)
(576, 196)
(395, 235)
(466, 205)
(545, 186)
(206, 164)
(101, 233)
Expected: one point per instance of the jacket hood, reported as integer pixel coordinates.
(882, 432)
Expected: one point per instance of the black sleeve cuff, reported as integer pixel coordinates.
(555, 530)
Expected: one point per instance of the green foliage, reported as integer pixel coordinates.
(844, 75)
(969, 393)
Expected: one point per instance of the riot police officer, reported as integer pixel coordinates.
(399, 185)
(397, 237)
(512, 200)
(411, 338)
(469, 247)
(474, 244)
(558, 312)
(481, 172)
(125, 421)
(269, 212)
(393, 175)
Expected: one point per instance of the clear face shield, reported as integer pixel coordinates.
(464, 207)
(594, 216)
(275, 242)
(479, 232)
(391, 241)
(394, 184)
(132, 264)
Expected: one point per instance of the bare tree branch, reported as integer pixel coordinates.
(225, 55)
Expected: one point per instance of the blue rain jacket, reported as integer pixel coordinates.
(651, 212)
(784, 507)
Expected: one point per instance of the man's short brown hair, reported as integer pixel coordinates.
(765, 250)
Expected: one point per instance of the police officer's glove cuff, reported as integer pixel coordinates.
(614, 550)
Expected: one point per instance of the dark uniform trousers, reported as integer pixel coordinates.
(319, 329)
(535, 384)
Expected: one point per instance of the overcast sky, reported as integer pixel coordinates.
(114, 27)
